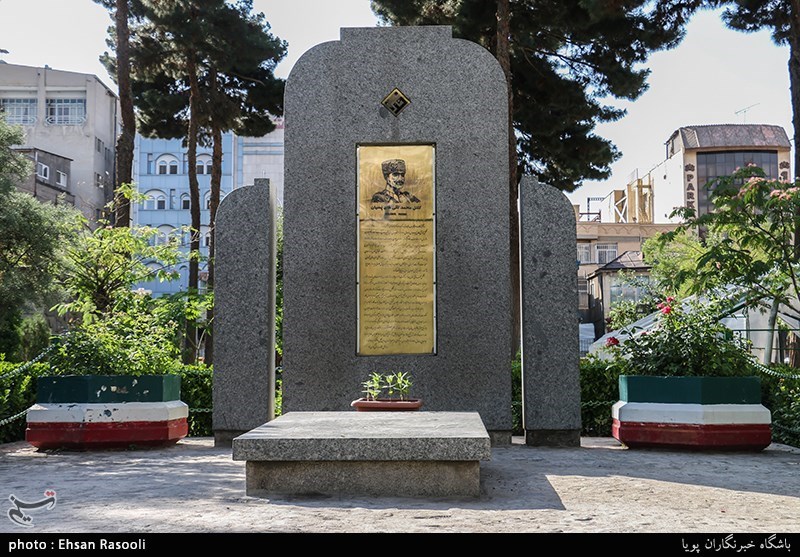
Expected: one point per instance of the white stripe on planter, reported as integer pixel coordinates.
(703, 414)
(108, 412)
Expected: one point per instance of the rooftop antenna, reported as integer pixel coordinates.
(743, 112)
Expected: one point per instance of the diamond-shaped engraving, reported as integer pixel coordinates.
(395, 101)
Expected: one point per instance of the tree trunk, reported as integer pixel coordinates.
(124, 155)
(773, 317)
(190, 342)
(216, 179)
(504, 57)
(794, 90)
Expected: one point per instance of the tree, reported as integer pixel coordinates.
(749, 241)
(104, 264)
(32, 235)
(561, 59)
(119, 41)
(244, 94)
(187, 84)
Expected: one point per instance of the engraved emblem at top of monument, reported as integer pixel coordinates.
(395, 101)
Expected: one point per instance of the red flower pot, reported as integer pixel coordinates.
(386, 405)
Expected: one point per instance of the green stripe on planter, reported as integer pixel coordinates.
(107, 388)
(690, 390)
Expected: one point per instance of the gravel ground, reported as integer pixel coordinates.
(600, 487)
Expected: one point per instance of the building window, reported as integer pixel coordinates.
(711, 166)
(167, 164)
(66, 112)
(203, 164)
(19, 111)
(154, 200)
(606, 253)
(186, 203)
(61, 178)
(42, 171)
(164, 234)
(624, 291)
(584, 253)
(98, 144)
(98, 180)
(207, 201)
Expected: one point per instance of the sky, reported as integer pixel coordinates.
(713, 74)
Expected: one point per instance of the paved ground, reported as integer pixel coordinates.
(600, 487)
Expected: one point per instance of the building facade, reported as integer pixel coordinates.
(49, 180)
(622, 220)
(69, 114)
(161, 174)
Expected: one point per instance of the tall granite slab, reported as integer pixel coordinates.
(453, 97)
(244, 320)
(550, 346)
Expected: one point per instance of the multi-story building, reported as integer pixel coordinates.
(625, 218)
(49, 179)
(161, 175)
(70, 114)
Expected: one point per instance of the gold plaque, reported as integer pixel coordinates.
(396, 240)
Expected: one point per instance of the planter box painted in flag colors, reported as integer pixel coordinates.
(107, 411)
(691, 412)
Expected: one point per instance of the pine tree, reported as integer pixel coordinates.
(561, 59)
(200, 68)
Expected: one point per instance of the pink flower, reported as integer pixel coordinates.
(612, 341)
(666, 310)
(670, 299)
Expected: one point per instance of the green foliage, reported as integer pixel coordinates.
(566, 58)
(749, 238)
(627, 312)
(393, 384)
(104, 265)
(32, 237)
(673, 257)
(133, 340)
(279, 286)
(17, 393)
(688, 340)
(35, 337)
(782, 396)
(196, 384)
(14, 168)
(599, 391)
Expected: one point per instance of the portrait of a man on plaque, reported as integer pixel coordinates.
(396, 231)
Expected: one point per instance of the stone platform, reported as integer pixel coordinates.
(416, 454)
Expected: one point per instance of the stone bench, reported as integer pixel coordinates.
(415, 454)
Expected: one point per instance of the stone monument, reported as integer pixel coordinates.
(244, 367)
(396, 223)
(550, 352)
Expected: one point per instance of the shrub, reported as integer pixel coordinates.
(781, 394)
(17, 394)
(196, 385)
(133, 341)
(687, 340)
(599, 391)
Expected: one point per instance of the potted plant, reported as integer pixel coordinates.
(387, 392)
(688, 382)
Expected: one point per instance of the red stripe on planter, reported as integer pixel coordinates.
(83, 435)
(750, 437)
